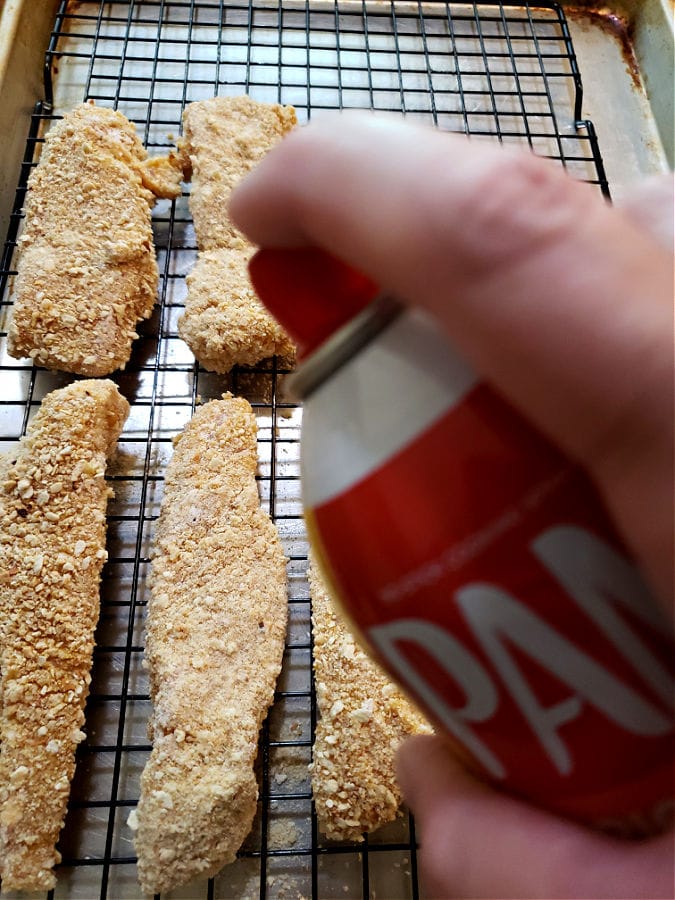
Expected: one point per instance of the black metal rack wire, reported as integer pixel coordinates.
(500, 70)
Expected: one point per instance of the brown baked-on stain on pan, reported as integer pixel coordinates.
(86, 267)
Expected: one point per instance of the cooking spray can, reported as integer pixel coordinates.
(474, 560)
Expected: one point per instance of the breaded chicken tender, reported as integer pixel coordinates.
(364, 718)
(224, 322)
(223, 139)
(86, 267)
(224, 314)
(53, 500)
(215, 641)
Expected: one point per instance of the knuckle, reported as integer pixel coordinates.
(517, 205)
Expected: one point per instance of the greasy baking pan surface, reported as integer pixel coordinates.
(496, 70)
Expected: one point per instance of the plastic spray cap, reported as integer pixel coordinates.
(309, 292)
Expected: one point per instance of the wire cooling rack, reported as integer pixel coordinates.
(499, 70)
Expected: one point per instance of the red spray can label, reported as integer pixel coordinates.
(480, 568)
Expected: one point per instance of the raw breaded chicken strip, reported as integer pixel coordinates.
(223, 139)
(224, 314)
(7, 460)
(364, 718)
(224, 322)
(52, 548)
(215, 641)
(86, 268)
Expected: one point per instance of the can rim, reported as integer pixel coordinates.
(343, 345)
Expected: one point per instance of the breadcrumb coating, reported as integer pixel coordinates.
(215, 640)
(224, 322)
(7, 460)
(364, 718)
(52, 549)
(223, 139)
(224, 314)
(86, 267)
(163, 175)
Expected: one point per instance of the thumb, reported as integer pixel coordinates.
(479, 843)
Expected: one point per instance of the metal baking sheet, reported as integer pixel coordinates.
(498, 72)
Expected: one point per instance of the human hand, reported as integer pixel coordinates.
(565, 305)
(557, 299)
(476, 842)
